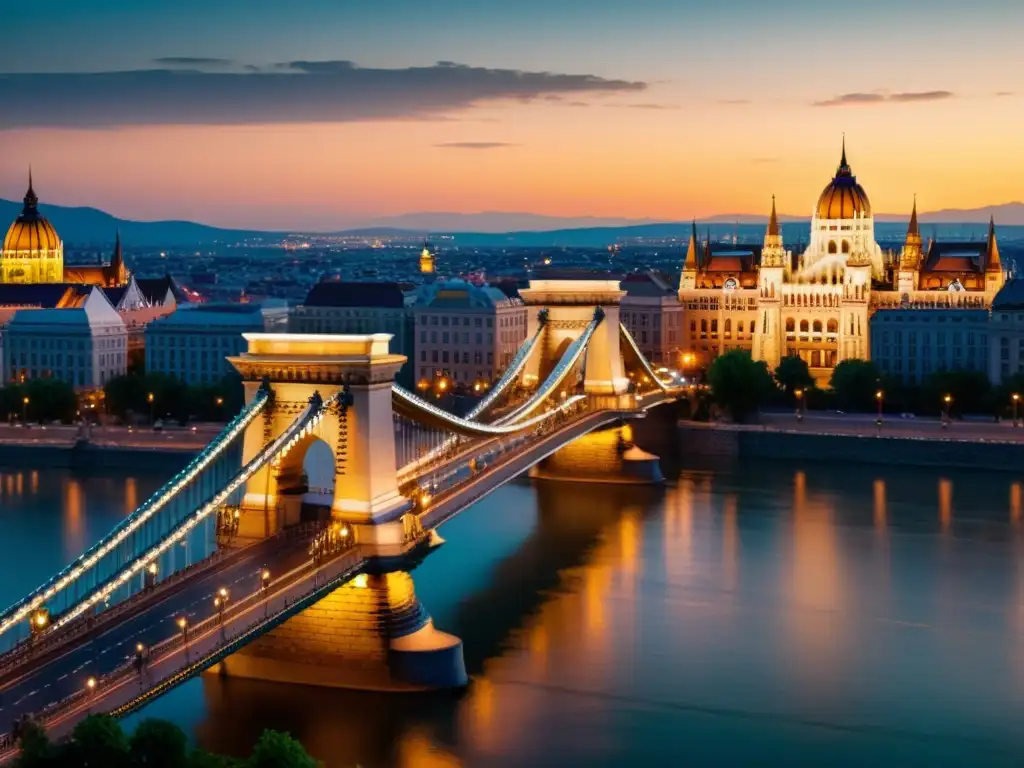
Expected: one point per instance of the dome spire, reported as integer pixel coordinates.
(31, 201)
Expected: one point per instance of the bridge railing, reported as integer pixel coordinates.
(209, 638)
(150, 522)
(279, 446)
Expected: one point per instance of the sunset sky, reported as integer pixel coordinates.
(329, 113)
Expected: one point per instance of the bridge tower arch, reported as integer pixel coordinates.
(569, 302)
(353, 374)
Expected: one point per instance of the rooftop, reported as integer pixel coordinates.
(332, 293)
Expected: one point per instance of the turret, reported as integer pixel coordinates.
(995, 277)
(910, 257)
(773, 253)
(426, 259)
(688, 278)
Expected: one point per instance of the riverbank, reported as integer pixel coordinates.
(772, 441)
(95, 456)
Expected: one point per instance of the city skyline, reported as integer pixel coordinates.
(329, 115)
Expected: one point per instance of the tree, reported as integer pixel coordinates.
(739, 384)
(36, 750)
(97, 741)
(855, 383)
(158, 744)
(279, 750)
(970, 392)
(202, 759)
(792, 374)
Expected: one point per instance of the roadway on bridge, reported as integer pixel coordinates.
(97, 655)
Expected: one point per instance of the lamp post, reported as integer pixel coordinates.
(264, 586)
(152, 409)
(24, 410)
(220, 602)
(947, 400)
(183, 626)
(1015, 397)
(799, 395)
(879, 398)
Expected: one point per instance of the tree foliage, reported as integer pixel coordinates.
(127, 397)
(739, 384)
(99, 742)
(855, 383)
(792, 373)
(158, 744)
(48, 400)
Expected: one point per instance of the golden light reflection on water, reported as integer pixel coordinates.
(1015, 503)
(945, 504)
(730, 543)
(74, 528)
(881, 513)
(131, 496)
(815, 583)
(417, 749)
(34, 482)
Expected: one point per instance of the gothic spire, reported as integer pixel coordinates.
(842, 162)
(31, 201)
(773, 222)
(913, 228)
(692, 260)
(993, 263)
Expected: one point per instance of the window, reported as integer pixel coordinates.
(804, 326)
(831, 246)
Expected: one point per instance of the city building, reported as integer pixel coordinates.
(34, 253)
(426, 261)
(653, 315)
(466, 333)
(82, 341)
(912, 343)
(333, 306)
(193, 342)
(1006, 333)
(818, 305)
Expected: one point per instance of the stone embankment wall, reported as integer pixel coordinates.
(746, 443)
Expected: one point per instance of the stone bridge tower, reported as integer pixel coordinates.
(357, 428)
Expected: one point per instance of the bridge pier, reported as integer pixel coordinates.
(370, 634)
(608, 456)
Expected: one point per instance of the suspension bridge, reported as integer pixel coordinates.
(225, 569)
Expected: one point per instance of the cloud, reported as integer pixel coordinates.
(734, 102)
(475, 145)
(648, 106)
(1002, 94)
(191, 61)
(289, 92)
(852, 99)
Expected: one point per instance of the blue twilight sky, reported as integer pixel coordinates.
(701, 90)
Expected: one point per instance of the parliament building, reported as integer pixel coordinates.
(816, 305)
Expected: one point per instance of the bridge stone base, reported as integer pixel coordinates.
(370, 634)
(608, 456)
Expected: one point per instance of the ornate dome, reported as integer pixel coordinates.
(843, 198)
(31, 231)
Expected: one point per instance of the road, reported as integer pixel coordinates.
(893, 425)
(191, 438)
(98, 655)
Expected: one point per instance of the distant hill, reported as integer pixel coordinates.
(89, 226)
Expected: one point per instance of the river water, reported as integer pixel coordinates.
(798, 615)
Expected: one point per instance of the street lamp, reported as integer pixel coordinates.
(151, 573)
(799, 394)
(879, 398)
(1015, 397)
(946, 402)
(40, 620)
(24, 410)
(151, 399)
(183, 626)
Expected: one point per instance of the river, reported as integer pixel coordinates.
(797, 615)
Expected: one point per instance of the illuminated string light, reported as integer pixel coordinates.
(15, 613)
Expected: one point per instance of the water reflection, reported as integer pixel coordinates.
(797, 614)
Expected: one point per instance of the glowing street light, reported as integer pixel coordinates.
(879, 398)
(947, 400)
(1015, 397)
(799, 395)
(151, 399)
(24, 410)
(90, 684)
